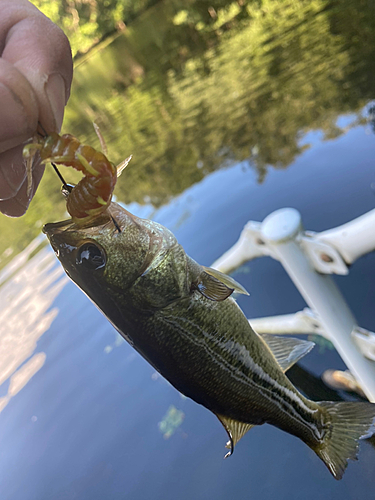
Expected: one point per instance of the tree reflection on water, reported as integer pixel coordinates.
(187, 101)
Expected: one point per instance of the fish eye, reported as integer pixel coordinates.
(91, 256)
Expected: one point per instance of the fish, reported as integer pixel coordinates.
(182, 318)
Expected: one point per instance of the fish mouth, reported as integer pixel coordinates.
(66, 235)
(92, 225)
(54, 232)
(52, 227)
(69, 225)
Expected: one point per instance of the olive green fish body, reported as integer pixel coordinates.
(179, 316)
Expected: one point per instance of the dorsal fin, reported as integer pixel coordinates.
(235, 430)
(287, 350)
(227, 280)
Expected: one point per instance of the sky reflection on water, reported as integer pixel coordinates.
(25, 315)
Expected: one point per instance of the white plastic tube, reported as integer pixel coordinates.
(353, 239)
(279, 231)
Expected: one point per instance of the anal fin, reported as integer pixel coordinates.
(287, 350)
(235, 430)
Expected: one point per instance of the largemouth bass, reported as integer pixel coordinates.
(180, 317)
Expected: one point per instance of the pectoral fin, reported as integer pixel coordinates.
(217, 286)
(235, 430)
(212, 288)
(227, 280)
(286, 350)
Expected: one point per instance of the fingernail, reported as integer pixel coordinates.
(55, 90)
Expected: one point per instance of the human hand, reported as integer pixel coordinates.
(35, 76)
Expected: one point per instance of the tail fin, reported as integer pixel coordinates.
(349, 423)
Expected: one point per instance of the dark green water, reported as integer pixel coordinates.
(267, 106)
